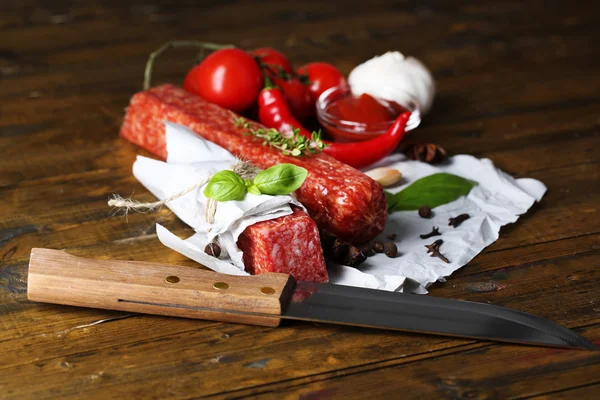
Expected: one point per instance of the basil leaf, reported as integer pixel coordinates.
(225, 186)
(254, 190)
(433, 191)
(280, 179)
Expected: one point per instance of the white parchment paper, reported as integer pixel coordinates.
(497, 200)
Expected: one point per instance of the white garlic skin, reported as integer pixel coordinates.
(394, 77)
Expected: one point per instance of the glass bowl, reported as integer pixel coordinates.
(350, 131)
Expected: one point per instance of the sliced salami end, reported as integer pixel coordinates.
(288, 244)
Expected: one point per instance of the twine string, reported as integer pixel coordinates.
(243, 169)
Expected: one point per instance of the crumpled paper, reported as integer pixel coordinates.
(497, 200)
(191, 159)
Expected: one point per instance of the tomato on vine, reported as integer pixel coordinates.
(322, 76)
(273, 58)
(230, 78)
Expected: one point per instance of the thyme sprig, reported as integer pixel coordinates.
(293, 143)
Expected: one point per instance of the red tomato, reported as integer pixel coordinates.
(230, 78)
(297, 96)
(323, 76)
(273, 57)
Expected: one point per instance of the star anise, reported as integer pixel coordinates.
(428, 152)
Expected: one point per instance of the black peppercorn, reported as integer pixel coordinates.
(213, 250)
(425, 212)
(354, 257)
(339, 250)
(390, 249)
(327, 239)
(335, 249)
(367, 250)
(377, 246)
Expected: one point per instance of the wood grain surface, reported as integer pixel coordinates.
(518, 82)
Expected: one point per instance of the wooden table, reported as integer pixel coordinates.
(518, 83)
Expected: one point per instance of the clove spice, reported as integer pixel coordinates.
(434, 249)
(213, 249)
(456, 221)
(434, 232)
(393, 236)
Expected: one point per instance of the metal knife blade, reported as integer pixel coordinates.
(425, 314)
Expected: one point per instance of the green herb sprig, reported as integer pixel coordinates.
(433, 191)
(278, 72)
(280, 179)
(293, 144)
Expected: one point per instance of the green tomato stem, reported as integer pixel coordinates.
(177, 43)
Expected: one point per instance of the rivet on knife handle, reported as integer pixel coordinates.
(220, 285)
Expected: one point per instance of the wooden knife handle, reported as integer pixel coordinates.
(58, 277)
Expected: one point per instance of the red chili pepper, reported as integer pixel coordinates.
(363, 154)
(274, 112)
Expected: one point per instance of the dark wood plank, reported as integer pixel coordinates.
(485, 372)
(581, 392)
(517, 83)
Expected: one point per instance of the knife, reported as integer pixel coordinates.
(61, 278)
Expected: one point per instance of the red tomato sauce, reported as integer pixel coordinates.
(364, 109)
(374, 117)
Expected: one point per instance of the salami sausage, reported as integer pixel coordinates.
(288, 244)
(338, 197)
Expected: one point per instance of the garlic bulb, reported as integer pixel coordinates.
(394, 77)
